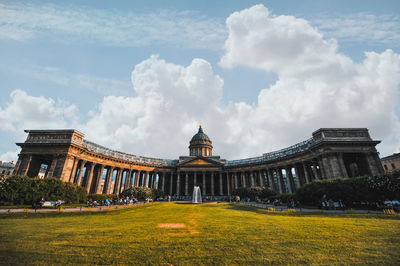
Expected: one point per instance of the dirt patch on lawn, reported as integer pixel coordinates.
(171, 225)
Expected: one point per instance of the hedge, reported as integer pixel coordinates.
(22, 190)
(142, 193)
(356, 191)
(253, 193)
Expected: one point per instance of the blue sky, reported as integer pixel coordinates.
(64, 63)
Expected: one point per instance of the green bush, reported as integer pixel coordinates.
(157, 193)
(101, 197)
(140, 193)
(284, 198)
(357, 191)
(253, 193)
(17, 190)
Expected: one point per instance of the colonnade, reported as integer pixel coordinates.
(283, 179)
(106, 179)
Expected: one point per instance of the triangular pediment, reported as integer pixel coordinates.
(200, 161)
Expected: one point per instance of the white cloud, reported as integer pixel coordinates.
(29, 112)
(25, 21)
(171, 101)
(56, 75)
(316, 87)
(9, 156)
(360, 27)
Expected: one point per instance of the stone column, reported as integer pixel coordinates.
(243, 179)
(73, 172)
(137, 178)
(128, 179)
(110, 184)
(221, 192)
(146, 179)
(50, 173)
(117, 181)
(252, 178)
(281, 183)
(163, 181)
(212, 183)
(306, 173)
(271, 182)
(204, 183)
(335, 167)
(374, 163)
(293, 182)
(236, 181)
(79, 181)
(107, 180)
(178, 180)
(122, 181)
(26, 165)
(261, 177)
(17, 166)
(289, 180)
(186, 183)
(152, 177)
(89, 179)
(171, 178)
(316, 174)
(299, 178)
(228, 187)
(195, 179)
(270, 185)
(324, 172)
(342, 165)
(98, 180)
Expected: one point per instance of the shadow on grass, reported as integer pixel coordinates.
(244, 207)
(39, 215)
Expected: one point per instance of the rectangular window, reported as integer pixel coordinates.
(386, 168)
(393, 166)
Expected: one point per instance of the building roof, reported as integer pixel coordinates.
(200, 136)
(393, 156)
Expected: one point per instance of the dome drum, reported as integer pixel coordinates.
(200, 144)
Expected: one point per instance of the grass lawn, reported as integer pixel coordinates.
(212, 234)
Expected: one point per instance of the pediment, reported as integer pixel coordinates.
(200, 161)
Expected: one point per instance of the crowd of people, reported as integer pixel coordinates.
(114, 201)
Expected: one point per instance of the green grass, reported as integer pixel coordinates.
(214, 234)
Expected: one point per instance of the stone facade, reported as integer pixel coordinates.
(6, 168)
(391, 163)
(330, 153)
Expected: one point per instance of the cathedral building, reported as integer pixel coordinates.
(329, 153)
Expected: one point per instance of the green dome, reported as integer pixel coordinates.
(200, 136)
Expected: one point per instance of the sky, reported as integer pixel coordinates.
(141, 76)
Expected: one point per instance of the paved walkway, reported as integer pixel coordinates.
(305, 210)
